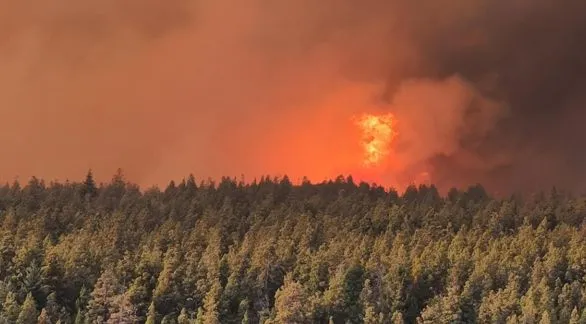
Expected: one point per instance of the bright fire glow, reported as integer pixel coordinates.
(377, 135)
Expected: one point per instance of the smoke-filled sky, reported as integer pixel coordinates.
(482, 90)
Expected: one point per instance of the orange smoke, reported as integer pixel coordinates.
(377, 135)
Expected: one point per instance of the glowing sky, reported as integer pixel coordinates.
(167, 88)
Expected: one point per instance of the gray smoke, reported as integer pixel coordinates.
(486, 91)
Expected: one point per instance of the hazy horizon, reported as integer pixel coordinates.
(483, 91)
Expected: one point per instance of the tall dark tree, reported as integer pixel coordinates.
(89, 188)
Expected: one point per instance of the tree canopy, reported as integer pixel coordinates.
(274, 252)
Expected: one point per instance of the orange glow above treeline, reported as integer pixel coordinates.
(379, 161)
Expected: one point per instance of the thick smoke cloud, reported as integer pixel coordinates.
(484, 91)
(436, 117)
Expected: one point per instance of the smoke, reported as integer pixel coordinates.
(437, 117)
(484, 91)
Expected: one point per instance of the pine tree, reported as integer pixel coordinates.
(32, 280)
(28, 313)
(513, 319)
(353, 285)
(83, 298)
(497, 306)
(89, 189)
(245, 318)
(333, 296)
(545, 318)
(370, 316)
(291, 302)
(210, 316)
(164, 293)
(397, 318)
(79, 318)
(565, 304)
(199, 318)
(264, 316)
(64, 316)
(443, 309)
(575, 317)
(369, 298)
(530, 311)
(124, 312)
(11, 308)
(152, 314)
(52, 307)
(183, 318)
(81, 304)
(243, 307)
(169, 319)
(103, 297)
(44, 317)
(139, 294)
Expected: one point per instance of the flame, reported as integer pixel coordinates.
(377, 135)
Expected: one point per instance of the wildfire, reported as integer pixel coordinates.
(377, 134)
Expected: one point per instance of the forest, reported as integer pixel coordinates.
(271, 251)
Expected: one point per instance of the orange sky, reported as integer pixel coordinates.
(217, 88)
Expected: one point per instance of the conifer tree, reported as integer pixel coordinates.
(575, 317)
(79, 317)
(168, 319)
(545, 318)
(370, 316)
(28, 312)
(139, 295)
(52, 307)
(353, 285)
(245, 318)
(64, 316)
(89, 189)
(291, 303)
(199, 318)
(152, 314)
(211, 316)
(44, 317)
(333, 296)
(103, 297)
(443, 309)
(10, 308)
(397, 318)
(124, 311)
(81, 304)
(164, 293)
(32, 280)
(183, 318)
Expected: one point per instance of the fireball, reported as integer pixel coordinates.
(377, 135)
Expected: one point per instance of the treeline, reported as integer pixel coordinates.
(274, 252)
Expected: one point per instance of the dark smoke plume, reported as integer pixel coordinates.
(488, 91)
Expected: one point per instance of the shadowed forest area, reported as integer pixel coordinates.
(274, 252)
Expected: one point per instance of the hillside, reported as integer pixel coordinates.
(273, 252)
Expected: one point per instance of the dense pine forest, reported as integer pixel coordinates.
(274, 252)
